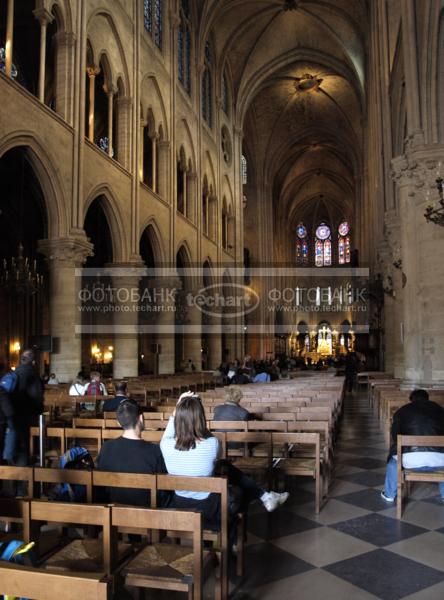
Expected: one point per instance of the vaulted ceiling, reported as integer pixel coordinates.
(297, 69)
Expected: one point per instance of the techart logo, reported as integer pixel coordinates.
(225, 300)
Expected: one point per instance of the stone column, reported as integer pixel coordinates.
(110, 94)
(125, 294)
(64, 256)
(65, 45)
(191, 196)
(154, 165)
(164, 156)
(165, 322)
(44, 17)
(124, 106)
(92, 73)
(9, 46)
(192, 336)
(142, 124)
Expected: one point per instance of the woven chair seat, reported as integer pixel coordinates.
(163, 561)
(82, 555)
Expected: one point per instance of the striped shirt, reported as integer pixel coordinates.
(196, 462)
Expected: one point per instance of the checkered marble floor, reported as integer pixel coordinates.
(355, 548)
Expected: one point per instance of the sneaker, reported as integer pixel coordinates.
(386, 498)
(272, 500)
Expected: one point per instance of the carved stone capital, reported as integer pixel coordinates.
(62, 38)
(43, 16)
(69, 251)
(92, 72)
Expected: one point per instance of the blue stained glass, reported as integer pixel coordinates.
(327, 253)
(188, 61)
(301, 231)
(344, 228)
(323, 231)
(185, 7)
(305, 250)
(104, 145)
(158, 21)
(180, 52)
(148, 15)
(14, 71)
(224, 95)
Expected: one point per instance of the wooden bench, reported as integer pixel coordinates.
(405, 476)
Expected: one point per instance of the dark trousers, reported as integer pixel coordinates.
(22, 456)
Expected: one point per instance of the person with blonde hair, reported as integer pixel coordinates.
(231, 409)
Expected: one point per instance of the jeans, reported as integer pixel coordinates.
(391, 478)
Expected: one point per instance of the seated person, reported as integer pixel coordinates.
(262, 375)
(95, 387)
(190, 449)
(420, 417)
(130, 454)
(53, 380)
(230, 410)
(120, 389)
(77, 387)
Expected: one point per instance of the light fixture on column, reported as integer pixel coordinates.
(14, 71)
(20, 275)
(436, 214)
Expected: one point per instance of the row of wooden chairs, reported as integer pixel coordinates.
(143, 570)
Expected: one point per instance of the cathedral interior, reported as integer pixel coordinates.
(193, 182)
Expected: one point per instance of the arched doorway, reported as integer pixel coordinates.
(98, 348)
(24, 300)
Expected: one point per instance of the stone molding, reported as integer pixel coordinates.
(71, 251)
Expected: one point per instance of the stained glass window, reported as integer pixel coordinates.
(344, 245)
(323, 249)
(224, 94)
(14, 71)
(207, 86)
(244, 170)
(184, 46)
(301, 231)
(152, 16)
(319, 253)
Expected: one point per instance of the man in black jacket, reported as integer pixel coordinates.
(419, 417)
(27, 402)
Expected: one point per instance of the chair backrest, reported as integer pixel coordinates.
(431, 441)
(36, 511)
(227, 425)
(163, 520)
(140, 481)
(19, 581)
(71, 476)
(86, 422)
(267, 425)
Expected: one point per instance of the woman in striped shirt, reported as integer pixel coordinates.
(190, 449)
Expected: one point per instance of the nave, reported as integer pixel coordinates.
(355, 548)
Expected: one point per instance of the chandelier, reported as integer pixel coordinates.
(19, 275)
(436, 214)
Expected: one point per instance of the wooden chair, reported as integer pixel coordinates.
(294, 466)
(212, 485)
(405, 476)
(40, 584)
(82, 437)
(11, 509)
(160, 565)
(80, 555)
(253, 465)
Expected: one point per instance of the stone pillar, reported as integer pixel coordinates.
(126, 277)
(191, 196)
(164, 155)
(154, 166)
(214, 350)
(110, 94)
(92, 73)
(165, 323)
(192, 336)
(44, 17)
(124, 105)
(142, 124)
(64, 255)
(9, 46)
(65, 44)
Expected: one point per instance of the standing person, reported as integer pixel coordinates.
(27, 402)
(190, 449)
(351, 370)
(420, 416)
